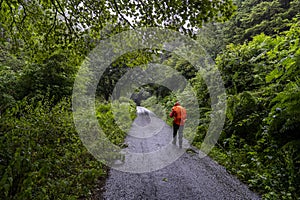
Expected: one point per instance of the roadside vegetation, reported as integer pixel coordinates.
(254, 44)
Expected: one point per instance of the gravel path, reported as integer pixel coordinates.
(188, 177)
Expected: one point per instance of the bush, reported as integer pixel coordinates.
(42, 156)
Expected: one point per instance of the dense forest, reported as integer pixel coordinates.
(254, 44)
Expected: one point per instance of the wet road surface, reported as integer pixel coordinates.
(188, 177)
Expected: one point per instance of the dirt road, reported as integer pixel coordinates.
(188, 177)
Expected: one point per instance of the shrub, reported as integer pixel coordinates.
(42, 156)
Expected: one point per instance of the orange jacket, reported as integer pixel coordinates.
(179, 114)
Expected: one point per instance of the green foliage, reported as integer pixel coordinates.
(181, 65)
(243, 67)
(266, 169)
(283, 120)
(210, 37)
(69, 23)
(115, 119)
(254, 17)
(260, 140)
(42, 156)
(251, 65)
(42, 44)
(10, 66)
(107, 123)
(167, 103)
(7, 81)
(124, 111)
(153, 104)
(119, 68)
(54, 76)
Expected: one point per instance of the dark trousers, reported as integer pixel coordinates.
(178, 129)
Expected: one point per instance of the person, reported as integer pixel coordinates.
(179, 114)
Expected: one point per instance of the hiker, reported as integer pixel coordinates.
(179, 115)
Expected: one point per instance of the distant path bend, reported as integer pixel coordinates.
(188, 177)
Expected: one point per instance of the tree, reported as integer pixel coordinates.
(63, 22)
(255, 16)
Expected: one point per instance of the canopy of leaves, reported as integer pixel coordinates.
(54, 22)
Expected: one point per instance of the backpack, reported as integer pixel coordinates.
(180, 115)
